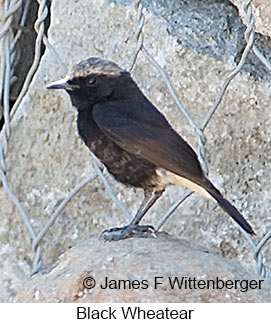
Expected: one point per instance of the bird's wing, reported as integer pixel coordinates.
(140, 129)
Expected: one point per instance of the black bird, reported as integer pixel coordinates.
(134, 140)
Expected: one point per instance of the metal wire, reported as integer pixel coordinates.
(250, 22)
(37, 239)
(9, 42)
(139, 35)
(98, 166)
(6, 130)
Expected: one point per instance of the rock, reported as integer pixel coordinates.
(138, 262)
(261, 11)
(213, 28)
(47, 159)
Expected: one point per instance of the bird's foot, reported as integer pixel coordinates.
(129, 231)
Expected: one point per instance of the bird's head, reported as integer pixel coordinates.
(94, 80)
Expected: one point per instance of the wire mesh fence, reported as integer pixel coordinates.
(7, 78)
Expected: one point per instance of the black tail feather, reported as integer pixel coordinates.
(229, 208)
(234, 213)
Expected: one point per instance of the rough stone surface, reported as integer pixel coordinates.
(211, 27)
(47, 159)
(261, 11)
(138, 260)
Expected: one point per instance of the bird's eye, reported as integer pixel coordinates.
(91, 81)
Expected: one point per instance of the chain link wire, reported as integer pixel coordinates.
(8, 48)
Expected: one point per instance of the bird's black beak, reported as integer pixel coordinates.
(61, 84)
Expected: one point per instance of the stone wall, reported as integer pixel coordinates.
(261, 10)
(47, 159)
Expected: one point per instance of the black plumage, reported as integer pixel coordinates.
(133, 139)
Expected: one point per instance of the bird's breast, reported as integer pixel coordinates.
(127, 168)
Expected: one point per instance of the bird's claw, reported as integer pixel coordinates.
(129, 231)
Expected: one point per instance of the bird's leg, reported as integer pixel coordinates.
(134, 229)
(150, 197)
